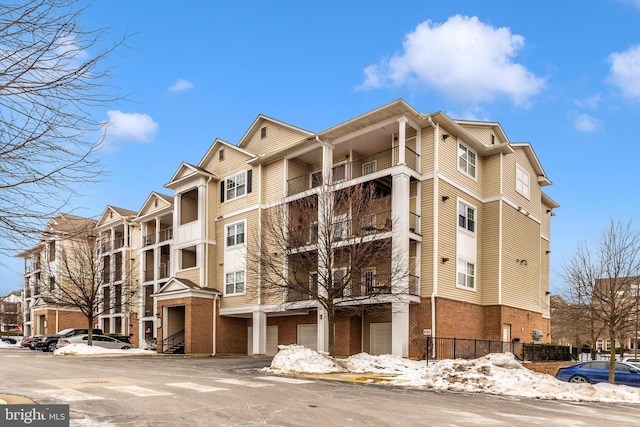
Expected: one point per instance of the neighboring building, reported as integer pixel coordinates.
(470, 224)
(43, 270)
(11, 312)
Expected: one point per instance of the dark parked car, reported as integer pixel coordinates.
(597, 371)
(49, 342)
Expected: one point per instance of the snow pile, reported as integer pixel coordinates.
(499, 374)
(6, 344)
(84, 349)
(299, 359)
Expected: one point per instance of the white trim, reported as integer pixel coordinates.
(465, 229)
(475, 155)
(520, 182)
(244, 234)
(235, 283)
(475, 274)
(246, 183)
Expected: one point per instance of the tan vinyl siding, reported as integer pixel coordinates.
(212, 268)
(521, 241)
(532, 204)
(481, 133)
(426, 150)
(449, 163)
(274, 180)
(491, 176)
(489, 254)
(426, 253)
(545, 217)
(278, 136)
(448, 231)
(192, 274)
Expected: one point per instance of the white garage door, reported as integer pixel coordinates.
(308, 336)
(380, 338)
(272, 340)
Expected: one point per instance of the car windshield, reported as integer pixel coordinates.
(65, 331)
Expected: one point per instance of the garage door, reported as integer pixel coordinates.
(308, 336)
(380, 338)
(272, 341)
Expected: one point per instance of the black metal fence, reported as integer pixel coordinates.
(462, 348)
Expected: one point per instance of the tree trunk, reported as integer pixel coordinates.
(612, 358)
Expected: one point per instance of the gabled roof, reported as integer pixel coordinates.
(184, 288)
(120, 213)
(65, 223)
(257, 124)
(167, 202)
(188, 171)
(216, 146)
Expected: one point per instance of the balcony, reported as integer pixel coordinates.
(166, 234)
(149, 239)
(362, 166)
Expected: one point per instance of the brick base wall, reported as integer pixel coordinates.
(58, 320)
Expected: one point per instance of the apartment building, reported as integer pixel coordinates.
(11, 312)
(44, 271)
(460, 206)
(470, 222)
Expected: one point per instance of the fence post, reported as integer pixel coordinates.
(454, 348)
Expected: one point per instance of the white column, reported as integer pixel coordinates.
(402, 140)
(400, 260)
(259, 333)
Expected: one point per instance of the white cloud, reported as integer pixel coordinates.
(130, 126)
(181, 85)
(586, 123)
(463, 58)
(625, 71)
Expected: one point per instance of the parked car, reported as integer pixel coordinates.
(26, 342)
(97, 340)
(48, 342)
(123, 338)
(597, 371)
(10, 340)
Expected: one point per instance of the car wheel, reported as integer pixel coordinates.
(578, 379)
(52, 346)
(32, 348)
(126, 347)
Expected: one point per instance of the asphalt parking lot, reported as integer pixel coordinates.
(231, 391)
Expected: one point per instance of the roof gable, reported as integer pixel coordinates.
(217, 145)
(155, 202)
(114, 214)
(187, 171)
(277, 135)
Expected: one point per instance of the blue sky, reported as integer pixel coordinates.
(562, 75)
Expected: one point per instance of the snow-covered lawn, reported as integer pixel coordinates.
(83, 349)
(498, 373)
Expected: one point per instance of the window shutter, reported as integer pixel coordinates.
(222, 191)
(249, 175)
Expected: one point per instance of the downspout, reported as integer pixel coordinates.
(434, 290)
(215, 325)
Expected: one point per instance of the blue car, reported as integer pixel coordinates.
(10, 340)
(597, 371)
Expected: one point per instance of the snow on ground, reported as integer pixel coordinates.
(497, 373)
(84, 349)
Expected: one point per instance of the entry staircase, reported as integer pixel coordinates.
(174, 344)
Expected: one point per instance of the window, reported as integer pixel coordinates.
(340, 227)
(52, 283)
(522, 181)
(235, 234)
(466, 274)
(466, 217)
(52, 250)
(369, 167)
(369, 279)
(234, 283)
(236, 186)
(339, 172)
(466, 160)
(339, 286)
(313, 283)
(188, 257)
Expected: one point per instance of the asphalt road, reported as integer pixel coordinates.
(186, 391)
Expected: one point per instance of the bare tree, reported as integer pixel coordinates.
(79, 277)
(334, 248)
(54, 76)
(601, 281)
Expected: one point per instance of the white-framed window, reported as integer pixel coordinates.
(340, 227)
(339, 172)
(466, 217)
(236, 186)
(466, 274)
(369, 167)
(313, 283)
(466, 160)
(339, 286)
(235, 234)
(234, 283)
(523, 184)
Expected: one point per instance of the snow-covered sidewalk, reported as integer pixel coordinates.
(498, 373)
